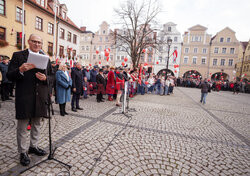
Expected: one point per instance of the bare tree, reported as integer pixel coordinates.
(136, 33)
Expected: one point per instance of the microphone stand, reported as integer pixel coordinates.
(51, 151)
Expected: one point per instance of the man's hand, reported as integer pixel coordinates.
(25, 67)
(41, 76)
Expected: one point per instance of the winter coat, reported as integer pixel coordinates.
(110, 88)
(4, 70)
(32, 95)
(77, 80)
(205, 87)
(63, 87)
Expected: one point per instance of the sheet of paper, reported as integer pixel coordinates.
(39, 60)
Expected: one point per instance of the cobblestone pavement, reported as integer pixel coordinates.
(166, 135)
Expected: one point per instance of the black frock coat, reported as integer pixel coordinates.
(32, 95)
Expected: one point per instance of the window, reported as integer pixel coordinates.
(100, 48)
(169, 29)
(40, 2)
(94, 47)
(222, 62)
(186, 50)
(69, 37)
(50, 28)
(203, 61)
(216, 50)
(19, 38)
(185, 60)
(106, 39)
(74, 53)
(2, 7)
(214, 61)
(64, 15)
(39, 23)
(94, 56)
(224, 50)
(231, 50)
(204, 50)
(195, 50)
(62, 32)
(118, 58)
(83, 48)
(2, 33)
(228, 40)
(87, 48)
(61, 51)
(221, 39)
(74, 39)
(19, 15)
(175, 39)
(100, 57)
(103, 31)
(50, 48)
(194, 60)
(160, 58)
(230, 62)
(100, 39)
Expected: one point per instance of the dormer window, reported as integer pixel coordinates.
(40, 2)
(64, 15)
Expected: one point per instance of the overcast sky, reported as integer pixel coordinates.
(213, 14)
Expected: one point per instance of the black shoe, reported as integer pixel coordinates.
(102, 100)
(65, 113)
(98, 101)
(37, 151)
(24, 159)
(74, 109)
(79, 108)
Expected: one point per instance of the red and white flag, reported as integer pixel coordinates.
(175, 54)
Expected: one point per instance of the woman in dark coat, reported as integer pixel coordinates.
(63, 84)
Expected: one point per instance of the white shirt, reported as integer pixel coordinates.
(66, 73)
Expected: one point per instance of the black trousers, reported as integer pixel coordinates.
(5, 91)
(99, 96)
(75, 100)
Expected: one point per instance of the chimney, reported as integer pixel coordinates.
(83, 28)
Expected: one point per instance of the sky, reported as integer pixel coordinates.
(213, 14)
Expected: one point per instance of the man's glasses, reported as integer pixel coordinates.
(36, 42)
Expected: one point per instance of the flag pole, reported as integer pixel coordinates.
(23, 27)
(54, 36)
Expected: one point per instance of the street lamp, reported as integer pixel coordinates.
(169, 42)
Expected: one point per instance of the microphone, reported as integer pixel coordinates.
(42, 52)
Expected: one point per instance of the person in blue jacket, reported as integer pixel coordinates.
(63, 87)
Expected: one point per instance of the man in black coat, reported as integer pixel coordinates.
(100, 80)
(32, 94)
(77, 86)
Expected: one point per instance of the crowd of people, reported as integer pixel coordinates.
(217, 85)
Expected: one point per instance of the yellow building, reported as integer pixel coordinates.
(223, 55)
(37, 18)
(243, 65)
(195, 52)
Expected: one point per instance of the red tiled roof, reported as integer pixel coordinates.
(50, 10)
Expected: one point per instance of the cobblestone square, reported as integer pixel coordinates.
(166, 135)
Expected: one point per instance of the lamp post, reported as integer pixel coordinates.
(169, 42)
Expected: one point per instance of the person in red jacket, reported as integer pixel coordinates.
(110, 87)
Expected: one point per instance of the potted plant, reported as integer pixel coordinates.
(3, 43)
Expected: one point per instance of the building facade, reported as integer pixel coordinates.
(195, 52)
(38, 19)
(169, 31)
(223, 55)
(93, 46)
(243, 65)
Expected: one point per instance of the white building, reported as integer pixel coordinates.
(169, 31)
(68, 34)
